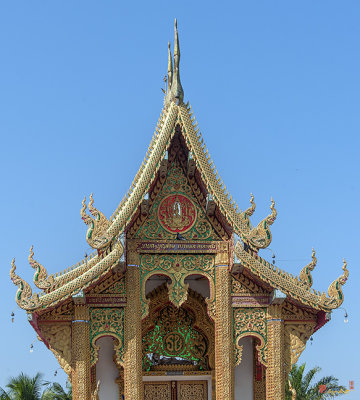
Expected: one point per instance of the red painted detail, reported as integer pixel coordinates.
(177, 213)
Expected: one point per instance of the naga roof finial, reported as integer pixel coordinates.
(41, 278)
(96, 235)
(24, 295)
(335, 293)
(175, 91)
(260, 237)
(305, 273)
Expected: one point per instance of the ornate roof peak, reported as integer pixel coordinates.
(174, 91)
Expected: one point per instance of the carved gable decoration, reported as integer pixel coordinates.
(177, 337)
(114, 284)
(176, 211)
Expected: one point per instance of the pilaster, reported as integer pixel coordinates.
(81, 374)
(224, 345)
(133, 385)
(275, 372)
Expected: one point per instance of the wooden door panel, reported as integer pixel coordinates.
(157, 391)
(192, 390)
(176, 390)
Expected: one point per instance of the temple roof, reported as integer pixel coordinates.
(106, 235)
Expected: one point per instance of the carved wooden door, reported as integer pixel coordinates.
(157, 391)
(176, 390)
(192, 390)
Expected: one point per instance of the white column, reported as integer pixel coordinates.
(106, 370)
(243, 374)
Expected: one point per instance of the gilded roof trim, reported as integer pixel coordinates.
(291, 285)
(31, 302)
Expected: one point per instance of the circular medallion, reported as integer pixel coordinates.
(173, 343)
(177, 213)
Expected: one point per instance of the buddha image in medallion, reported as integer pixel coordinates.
(177, 213)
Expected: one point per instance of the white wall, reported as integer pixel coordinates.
(243, 373)
(106, 370)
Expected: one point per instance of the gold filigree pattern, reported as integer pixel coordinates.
(80, 353)
(192, 390)
(296, 336)
(251, 322)
(58, 337)
(113, 284)
(84, 280)
(157, 390)
(176, 184)
(174, 335)
(275, 372)
(242, 285)
(195, 306)
(177, 268)
(107, 322)
(291, 285)
(224, 342)
(133, 384)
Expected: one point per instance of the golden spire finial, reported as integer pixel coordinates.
(175, 91)
(170, 69)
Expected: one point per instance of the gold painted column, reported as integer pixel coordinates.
(81, 377)
(275, 372)
(133, 384)
(224, 344)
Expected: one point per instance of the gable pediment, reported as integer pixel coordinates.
(177, 206)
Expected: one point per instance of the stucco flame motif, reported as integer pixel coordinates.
(260, 237)
(41, 278)
(96, 235)
(305, 273)
(24, 295)
(335, 292)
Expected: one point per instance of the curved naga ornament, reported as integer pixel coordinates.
(305, 273)
(96, 235)
(24, 295)
(249, 212)
(260, 237)
(41, 278)
(335, 292)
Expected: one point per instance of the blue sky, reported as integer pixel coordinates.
(275, 89)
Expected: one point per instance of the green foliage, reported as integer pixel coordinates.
(24, 387)
(306, 389)
(57, 392)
